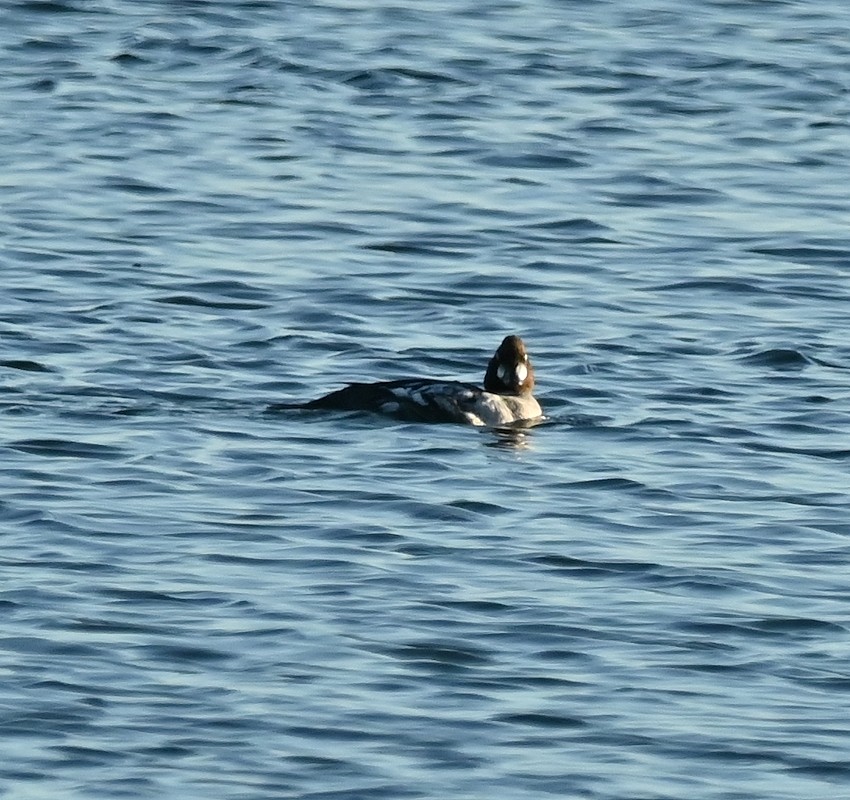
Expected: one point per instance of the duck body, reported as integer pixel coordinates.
(506, 397)
(427, 400)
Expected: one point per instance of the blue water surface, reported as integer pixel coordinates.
(211, 207)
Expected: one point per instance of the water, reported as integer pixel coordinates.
(212, 207)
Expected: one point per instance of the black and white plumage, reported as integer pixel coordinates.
(505, 398)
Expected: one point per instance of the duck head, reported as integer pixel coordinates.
(510, 370)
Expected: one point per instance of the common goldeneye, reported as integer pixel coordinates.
(506, 397)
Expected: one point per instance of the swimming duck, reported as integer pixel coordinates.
(506, 397)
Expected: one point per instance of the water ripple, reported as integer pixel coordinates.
(213, 209)
(66, 449)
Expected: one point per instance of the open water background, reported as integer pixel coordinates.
(208, 207)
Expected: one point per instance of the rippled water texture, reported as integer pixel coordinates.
(212, 207)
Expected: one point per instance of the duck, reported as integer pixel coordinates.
(505, 399)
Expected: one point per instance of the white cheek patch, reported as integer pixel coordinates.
(521, 373)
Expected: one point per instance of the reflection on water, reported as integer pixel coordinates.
(517, 436)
